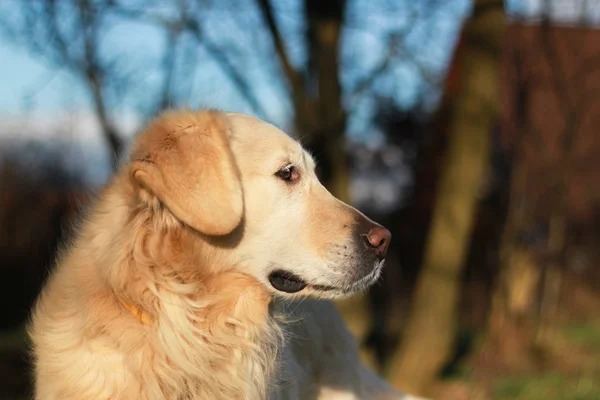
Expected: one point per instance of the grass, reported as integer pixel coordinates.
(573, 372)
(581, 337)
(583, 334)
(549, 386)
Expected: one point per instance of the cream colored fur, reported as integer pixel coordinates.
(187, 231)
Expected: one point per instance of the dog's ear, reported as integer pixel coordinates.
(185, 160)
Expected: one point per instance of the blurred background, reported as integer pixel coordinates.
(468, 128)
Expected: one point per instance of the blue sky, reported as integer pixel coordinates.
(33, 91)
(27, 83)
(37, 99)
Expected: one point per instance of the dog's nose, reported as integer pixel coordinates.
(378, 240)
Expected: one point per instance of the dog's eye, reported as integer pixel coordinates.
(288, 174)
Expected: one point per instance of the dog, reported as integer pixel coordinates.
(202, 271)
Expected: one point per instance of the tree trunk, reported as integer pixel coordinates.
(320, 119)
(516, 306)
(431, 327)
(113, 140)
(550, 302)
(326, 138)
(511, 320)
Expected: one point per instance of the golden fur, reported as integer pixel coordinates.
(187, 232)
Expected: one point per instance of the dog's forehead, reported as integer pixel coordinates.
(247, 129)
(256, 139)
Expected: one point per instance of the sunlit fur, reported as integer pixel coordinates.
(216, 331)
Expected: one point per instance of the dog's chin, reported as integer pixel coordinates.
(287, 283)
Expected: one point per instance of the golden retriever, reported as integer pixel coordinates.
(185, 277)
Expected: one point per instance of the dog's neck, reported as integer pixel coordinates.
(228, 331)
(213, 331)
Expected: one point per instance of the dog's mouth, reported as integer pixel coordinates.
(287, 282)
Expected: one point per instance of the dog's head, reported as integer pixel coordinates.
(249, 194)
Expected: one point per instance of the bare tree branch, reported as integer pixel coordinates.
(92, 70)
(294, 78)
(228, 68)
(185, 22)
(58, 48)
(168, 63)
(305, 108)
(396, 48)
